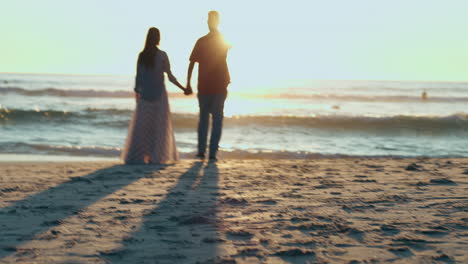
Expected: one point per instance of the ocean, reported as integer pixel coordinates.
(88, 116)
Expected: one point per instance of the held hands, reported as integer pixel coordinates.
(188, 90)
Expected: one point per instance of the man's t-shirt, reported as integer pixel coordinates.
(210, 52)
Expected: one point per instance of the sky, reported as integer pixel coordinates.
(272, 41)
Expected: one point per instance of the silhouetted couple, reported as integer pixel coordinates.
(150, 135)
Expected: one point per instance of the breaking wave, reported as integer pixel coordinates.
(292, 95)
(119, 118)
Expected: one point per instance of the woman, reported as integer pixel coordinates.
(150, 136)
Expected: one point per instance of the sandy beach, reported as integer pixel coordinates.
(352, 210)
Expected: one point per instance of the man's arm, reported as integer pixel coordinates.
(194, 57)
(189, 77)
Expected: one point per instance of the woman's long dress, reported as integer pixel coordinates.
(150, 136)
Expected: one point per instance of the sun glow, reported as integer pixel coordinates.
(271, 41)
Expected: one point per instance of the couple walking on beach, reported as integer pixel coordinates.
(150, 135)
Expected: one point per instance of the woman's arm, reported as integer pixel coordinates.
(172, 78)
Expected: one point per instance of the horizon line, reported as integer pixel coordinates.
(311, 79)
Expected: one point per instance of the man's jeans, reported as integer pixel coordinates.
(210, 104)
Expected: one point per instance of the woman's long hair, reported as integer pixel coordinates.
(147, 55)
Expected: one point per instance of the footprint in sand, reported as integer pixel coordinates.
(434, 233)
(442, 181)
(364, 180)
(389, 230)
(443, 258)
(414, 167)
(402, 251)
(239, 235)
(415, 243)
(268, 202)
(248, 252)
(234, 201)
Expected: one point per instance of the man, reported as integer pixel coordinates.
(210, 52)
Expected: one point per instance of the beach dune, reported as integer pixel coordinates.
(328, 210)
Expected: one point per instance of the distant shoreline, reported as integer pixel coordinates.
(304, 80)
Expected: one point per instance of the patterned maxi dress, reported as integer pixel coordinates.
(150, 136)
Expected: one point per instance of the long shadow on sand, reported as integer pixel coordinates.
(182, 228)
(23, 220)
